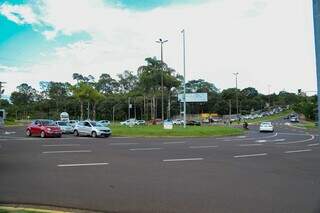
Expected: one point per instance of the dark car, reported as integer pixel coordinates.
(43, 128)
(193, 123)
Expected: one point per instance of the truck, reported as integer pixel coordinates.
(64, 116)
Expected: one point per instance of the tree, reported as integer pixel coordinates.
(127, 81)
(106, 84)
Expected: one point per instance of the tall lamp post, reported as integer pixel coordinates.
(161, 42)
(237, 101)
(316, 21)
(184, 78)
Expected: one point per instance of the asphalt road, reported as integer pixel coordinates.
(258, 172)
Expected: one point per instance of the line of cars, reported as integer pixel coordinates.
(49, 128)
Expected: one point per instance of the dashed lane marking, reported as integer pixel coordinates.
(145, 149)
(314, 144)
(254, 144)
(182, 159)
(202, 147)
(71, 151)
(57, 145)
(176, 142)
(82, 164)
(251, 155)
(297, 151)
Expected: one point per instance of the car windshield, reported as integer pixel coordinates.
(48, 123)
(96, 124)
(62, 123)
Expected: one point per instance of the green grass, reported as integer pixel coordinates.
(177, 131)
(306, 124)
(5, 209)
(275, 117)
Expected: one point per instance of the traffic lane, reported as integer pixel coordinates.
(250, 185)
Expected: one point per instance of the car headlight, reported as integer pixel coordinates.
(49, 129)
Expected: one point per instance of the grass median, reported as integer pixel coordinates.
(177, 131)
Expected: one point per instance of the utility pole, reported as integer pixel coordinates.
(184, 79)
(269, 94)
(161, 42)
(237, 98)
(316, 21)
(129, 107)
(229, 112)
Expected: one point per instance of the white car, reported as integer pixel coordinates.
(73, 123)
(105, 122)
(65, 127)
(129, 122)
(266, 127)
(178, 121)
(91, 128)
(141, 122)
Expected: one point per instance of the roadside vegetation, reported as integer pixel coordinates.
(108, 98)
(177, 131)
(7, 209)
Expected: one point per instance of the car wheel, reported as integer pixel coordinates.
(28, 133)
(42, 134)
(94, 134)
(59, 136)
(75, 133)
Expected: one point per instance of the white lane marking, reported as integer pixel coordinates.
(241, 136)
(288, 133)
(239, 139)
(202, 147)
(255, 144)
(174, 142)
(302, 141)
(314, 144)
(144, 149)
(71, 151)
(9, 133)
(57, 145)
(182, 159)
(252, 155)
(119, 144)
(120, 137)
(82, 164)
(279, 140)
(297, 151)
(261, 141)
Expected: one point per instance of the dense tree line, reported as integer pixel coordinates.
(105, 96)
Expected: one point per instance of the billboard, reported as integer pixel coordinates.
(194, 97)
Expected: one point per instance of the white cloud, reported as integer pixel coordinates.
(266, 41)
(20, 14)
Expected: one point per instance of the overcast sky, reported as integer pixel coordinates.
(269, 42)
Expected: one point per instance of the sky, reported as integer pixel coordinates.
(268, 42)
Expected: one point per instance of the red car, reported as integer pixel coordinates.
(43, 128)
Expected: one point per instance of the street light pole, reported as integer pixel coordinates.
(237, 101)
(316, 21)
(184, 78)
(161, 42)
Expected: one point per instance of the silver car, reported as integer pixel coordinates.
(65, 127)
(91, 128)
